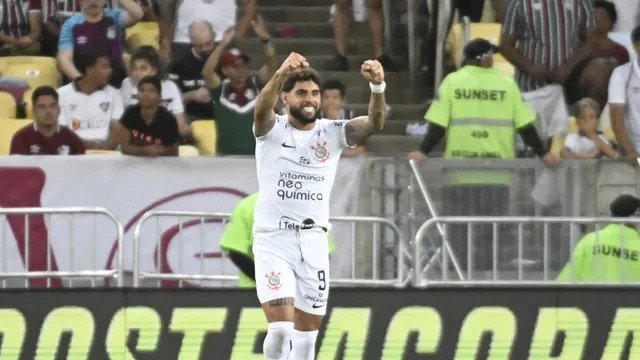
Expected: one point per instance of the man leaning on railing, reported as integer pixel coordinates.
(611, 254)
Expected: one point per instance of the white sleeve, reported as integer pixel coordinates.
(116, 105)
(63, 119)
(126, 91)
(173, 93)
(618, 85)
(604, 138)
(279, 122)
(571, 143)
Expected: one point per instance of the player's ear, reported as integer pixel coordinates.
(283, 97)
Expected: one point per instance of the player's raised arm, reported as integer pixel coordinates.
(361, 127)
(264, 117)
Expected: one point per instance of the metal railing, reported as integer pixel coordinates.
(32, 230)
(517, 267)
(381, 251)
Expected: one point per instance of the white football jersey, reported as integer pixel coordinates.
(171, 96)
(296, 170)
(89, 116)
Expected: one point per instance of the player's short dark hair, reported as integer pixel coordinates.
(301, 76)
(153, 80)
(609, 7)
(43, 91)
(83, 61)
(334, 84)
(635, 35)
(149, 54)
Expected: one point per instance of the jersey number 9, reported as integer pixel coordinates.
(322, 279)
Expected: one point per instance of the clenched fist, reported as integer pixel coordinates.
(372, 71)
(294, 62)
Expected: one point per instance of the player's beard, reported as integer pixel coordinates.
(299, 115)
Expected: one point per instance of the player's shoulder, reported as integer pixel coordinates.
(331, 126)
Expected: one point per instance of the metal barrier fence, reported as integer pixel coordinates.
(384, 253)
(37, 235)
(476, 254)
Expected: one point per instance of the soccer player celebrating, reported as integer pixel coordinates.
(297, 157)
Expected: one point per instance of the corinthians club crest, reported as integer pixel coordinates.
(273, 280)
(320, 152)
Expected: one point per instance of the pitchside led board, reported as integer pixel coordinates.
(439, 323)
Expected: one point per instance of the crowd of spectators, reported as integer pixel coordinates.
(203, 72)
(561, 50)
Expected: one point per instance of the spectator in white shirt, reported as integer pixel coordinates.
(624, 102)
(177, 15)
(146, 62)
(89, 105)
(589, 142)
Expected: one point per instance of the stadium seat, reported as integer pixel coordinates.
(143, 33)
(8, 127)
(36, 70)
(7, 106)
(188, 150)
(205, 136)
(489, 31)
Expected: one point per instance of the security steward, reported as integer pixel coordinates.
(480, 110)
(237, 241)
(611, 254)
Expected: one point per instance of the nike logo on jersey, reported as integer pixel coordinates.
(284, 144)
(317, 306)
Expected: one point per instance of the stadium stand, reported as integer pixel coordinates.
(36, 70)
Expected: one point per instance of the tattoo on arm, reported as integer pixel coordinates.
(281, 302)
(359, 129)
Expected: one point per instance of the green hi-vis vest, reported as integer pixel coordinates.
(611, 254)
(481, 110)
(238, 235)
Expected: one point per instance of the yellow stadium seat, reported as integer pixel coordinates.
(141, 34)
(7, 106)
(205, 136)
(8, 127)
(489, 31)
(188, 150)
(36, 70)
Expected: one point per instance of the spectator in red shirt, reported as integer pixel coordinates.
(45, 136)
(606, 17)
(19, 27)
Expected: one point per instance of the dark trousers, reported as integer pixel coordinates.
(474, 200)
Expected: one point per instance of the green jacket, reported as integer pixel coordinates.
(611, 254)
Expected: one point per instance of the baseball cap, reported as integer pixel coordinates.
(231, 57)
(624, 206)
(479, 48)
